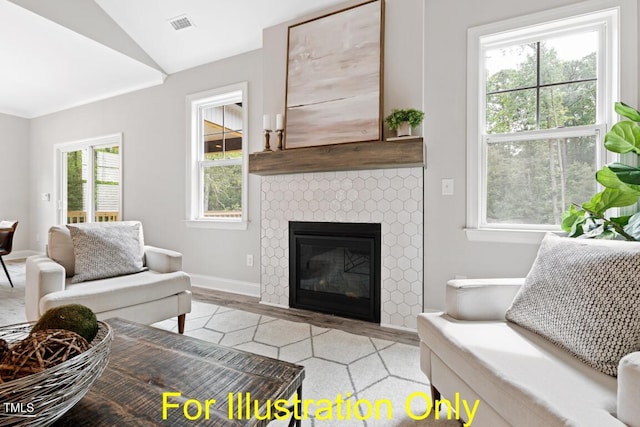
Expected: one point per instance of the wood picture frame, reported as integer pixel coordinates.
(334, 78)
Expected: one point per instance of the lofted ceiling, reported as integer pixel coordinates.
(59, 54)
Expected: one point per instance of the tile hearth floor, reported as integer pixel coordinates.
(336, 362)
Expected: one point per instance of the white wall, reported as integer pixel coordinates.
(14, 164)
(153, 123)
(448, 253)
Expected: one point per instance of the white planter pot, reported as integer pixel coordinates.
(404, 129)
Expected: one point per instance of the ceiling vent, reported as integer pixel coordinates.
(180, 22)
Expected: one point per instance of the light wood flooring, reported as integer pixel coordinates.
(252, 304)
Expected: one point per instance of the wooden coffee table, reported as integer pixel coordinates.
(147, 362)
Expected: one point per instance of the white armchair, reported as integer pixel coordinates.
(160, 292)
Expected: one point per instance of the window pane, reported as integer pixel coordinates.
(233, 117)
(572, 104)
(534, 182)
(77, 190)
(107, 184)
(511, 111)
(222, 187)
(510, 67)
(568, 58)
(222, 131)
(212, 131)
(233, 134)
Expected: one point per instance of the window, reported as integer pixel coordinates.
(541, 94)
(89, 177)
(217, 160)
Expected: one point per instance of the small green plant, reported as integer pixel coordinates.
(397, 116)
(621, 184)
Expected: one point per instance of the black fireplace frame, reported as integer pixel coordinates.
(366, 308)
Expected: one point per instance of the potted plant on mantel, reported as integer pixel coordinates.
(621, 184)
(402, 120)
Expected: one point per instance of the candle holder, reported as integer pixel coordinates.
(267, 137)
(279, 132)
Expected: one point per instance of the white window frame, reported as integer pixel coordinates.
(194, 190)
(603, 14)
(60, 171)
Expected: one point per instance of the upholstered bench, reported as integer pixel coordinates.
(568, 355)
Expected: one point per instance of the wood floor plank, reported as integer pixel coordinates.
(252, 304)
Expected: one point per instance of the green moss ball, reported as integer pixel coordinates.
(72, 317)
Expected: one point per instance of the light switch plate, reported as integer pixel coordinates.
(447, 186)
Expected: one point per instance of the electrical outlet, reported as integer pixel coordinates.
(249, 260)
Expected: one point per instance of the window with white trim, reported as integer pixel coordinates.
(217, 161)
(541, 97)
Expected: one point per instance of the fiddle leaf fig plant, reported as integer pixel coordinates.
(621, 184)
(397, 116)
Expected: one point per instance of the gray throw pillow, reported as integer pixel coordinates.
(584, 296)
(105, 250)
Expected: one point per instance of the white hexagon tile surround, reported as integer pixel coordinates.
(391, 197)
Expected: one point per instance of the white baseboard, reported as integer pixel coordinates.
(15, 255)
(227, 285)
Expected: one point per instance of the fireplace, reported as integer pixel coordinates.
(335, 268)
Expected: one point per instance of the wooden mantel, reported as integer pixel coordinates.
(340, 157)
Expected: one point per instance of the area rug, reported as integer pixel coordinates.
(366, 382)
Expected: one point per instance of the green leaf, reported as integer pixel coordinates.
(572, 221)
(608, 178)
(611, 198)
(632, 227)
(627, 111)
(595, 204)
(626, 174)
(621, 220)
(623, 137)
(577, 229)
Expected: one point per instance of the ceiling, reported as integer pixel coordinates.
(57, 55)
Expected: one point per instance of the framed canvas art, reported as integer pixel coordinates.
(334, 78)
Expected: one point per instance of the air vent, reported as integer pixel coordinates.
(180, 22)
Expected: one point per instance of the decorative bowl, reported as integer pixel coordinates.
(41, 398)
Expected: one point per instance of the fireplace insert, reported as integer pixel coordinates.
(335, 268)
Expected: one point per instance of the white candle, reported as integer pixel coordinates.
(279, 122)
(266, 122)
